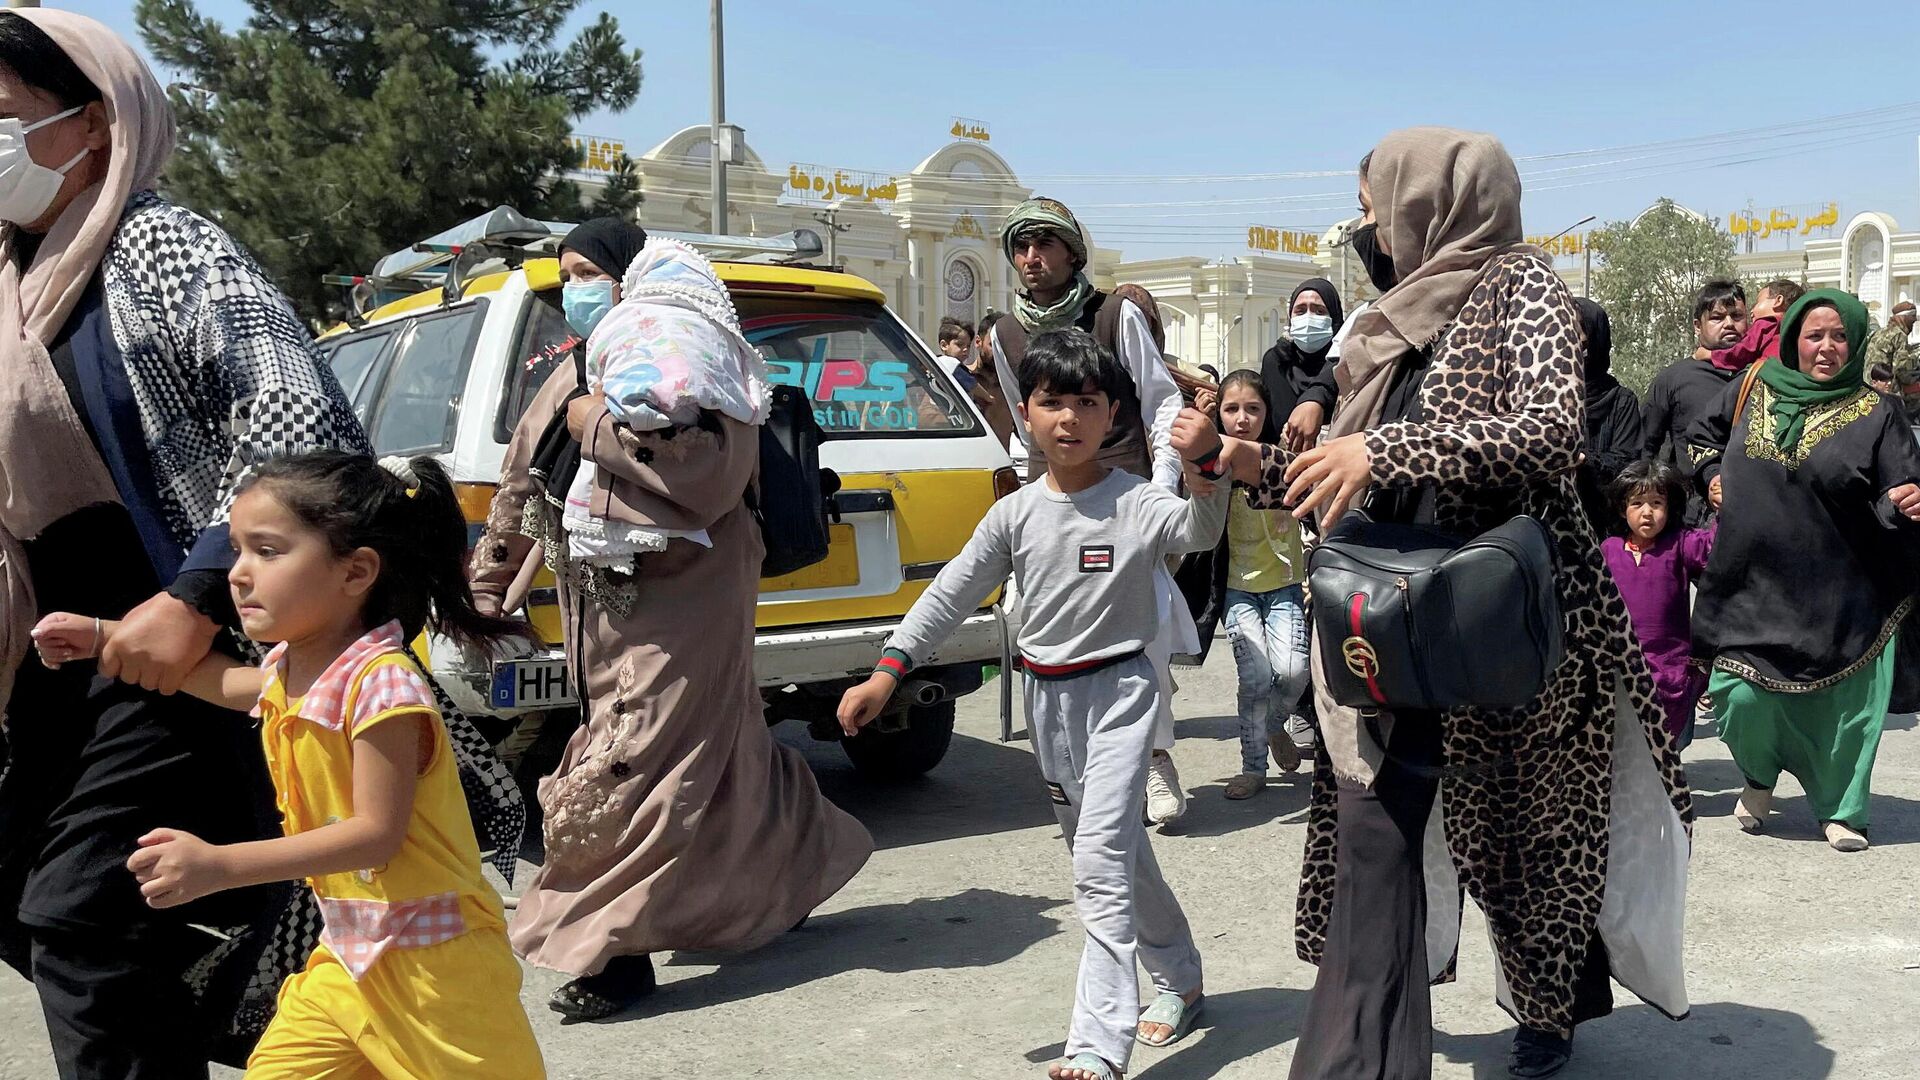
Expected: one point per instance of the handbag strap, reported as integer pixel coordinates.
(1746, 389)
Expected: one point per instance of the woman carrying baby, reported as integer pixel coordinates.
(674, 821)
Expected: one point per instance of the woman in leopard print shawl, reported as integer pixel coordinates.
(1567, 819)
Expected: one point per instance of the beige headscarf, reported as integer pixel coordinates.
(49, 467)
(1446, 202)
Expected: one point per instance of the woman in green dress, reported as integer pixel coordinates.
(1812, 570)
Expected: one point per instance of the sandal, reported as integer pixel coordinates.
(1844, 837)
(1100, 1067)
(1245, 785)
(1286, 755)
(626, 980)
(1173, 1011)
(1750, 813)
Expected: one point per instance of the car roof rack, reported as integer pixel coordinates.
(506, 237)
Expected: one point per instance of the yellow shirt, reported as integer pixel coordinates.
(432, 891)
(1263, 548)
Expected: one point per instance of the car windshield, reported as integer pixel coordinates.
(865, 376)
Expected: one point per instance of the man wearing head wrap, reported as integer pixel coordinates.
(1889, 346)
(1049, 253)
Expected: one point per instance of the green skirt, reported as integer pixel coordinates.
(1826, 739)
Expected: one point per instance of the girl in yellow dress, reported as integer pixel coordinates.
(342, 560)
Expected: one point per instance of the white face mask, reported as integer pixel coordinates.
(1311, 332)
(27, 187)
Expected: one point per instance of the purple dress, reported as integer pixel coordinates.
(1655, 589)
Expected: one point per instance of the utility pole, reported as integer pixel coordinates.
(718, 153)
(830, 218)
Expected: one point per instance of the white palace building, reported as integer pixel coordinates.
(929, 239)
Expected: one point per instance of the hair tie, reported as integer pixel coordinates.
(403, 469)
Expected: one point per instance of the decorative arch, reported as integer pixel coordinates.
(963, 288)
(1866, 260)
(692, 145)
(973, 160)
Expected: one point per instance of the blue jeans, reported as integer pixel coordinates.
(1269, 635)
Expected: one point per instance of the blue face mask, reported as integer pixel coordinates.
(586, 303)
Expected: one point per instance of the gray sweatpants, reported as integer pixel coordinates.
(1091, 736)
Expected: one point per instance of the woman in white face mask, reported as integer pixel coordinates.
(1297, 368)
(145, 360)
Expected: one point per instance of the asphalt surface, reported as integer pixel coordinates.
(953, 953)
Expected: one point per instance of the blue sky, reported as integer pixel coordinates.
(1237, 88)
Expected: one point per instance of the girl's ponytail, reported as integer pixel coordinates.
(441, 561)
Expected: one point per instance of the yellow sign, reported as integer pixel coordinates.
(601, 154)
(1557, 246)
(964, 128)
(1261, 238)
(967, 225)
(1779, 221)
(812, 183)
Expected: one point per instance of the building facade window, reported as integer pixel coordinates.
(962, 284)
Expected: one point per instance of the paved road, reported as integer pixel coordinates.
(953, 953)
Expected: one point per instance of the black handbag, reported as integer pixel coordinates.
(1413, 617)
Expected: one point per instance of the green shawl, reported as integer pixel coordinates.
(1795, 393)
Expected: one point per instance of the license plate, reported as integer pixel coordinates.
(839, 570)
(531, 684)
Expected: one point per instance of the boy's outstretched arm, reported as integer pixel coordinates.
(956, 592)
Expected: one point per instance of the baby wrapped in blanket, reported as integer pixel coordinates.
(669, 350)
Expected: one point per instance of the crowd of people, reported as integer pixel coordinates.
(194, 529)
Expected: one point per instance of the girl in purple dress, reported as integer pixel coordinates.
(1654, 563)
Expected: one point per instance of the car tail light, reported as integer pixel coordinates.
(476, 502)
(1005, 483)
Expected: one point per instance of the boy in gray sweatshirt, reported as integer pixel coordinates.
(1083, 542)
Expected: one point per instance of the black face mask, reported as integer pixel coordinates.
(1379, 264)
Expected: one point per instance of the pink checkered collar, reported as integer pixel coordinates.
(326, 703)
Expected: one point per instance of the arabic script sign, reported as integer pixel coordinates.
(1780, 222)
(817, 185)
(976, 130)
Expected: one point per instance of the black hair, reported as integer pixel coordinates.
(1648, 476)
(1716, 292)
(1880, 372)
(987, 321)
(34, 59)
(1243, 377)
(1069, 361)
(1785, 291)
(952, 329)
(421, 538)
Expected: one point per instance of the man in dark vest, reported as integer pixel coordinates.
(1048, 250)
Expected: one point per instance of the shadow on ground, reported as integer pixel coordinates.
(971, 929)
(1235, 1025)
(1717, 785)
(1718, 1041)
(982, 787)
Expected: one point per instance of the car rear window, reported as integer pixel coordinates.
(865, 375)
(405, 380)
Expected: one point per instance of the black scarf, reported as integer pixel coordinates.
(609, 243)
(1286, 368)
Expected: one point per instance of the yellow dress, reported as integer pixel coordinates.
(413, 977)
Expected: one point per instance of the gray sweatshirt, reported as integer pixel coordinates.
(1084, 563)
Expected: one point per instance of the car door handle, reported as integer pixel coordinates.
(862, 502)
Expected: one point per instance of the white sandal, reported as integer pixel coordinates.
(1844, 838)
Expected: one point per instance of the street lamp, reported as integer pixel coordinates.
(1220, 344)
(1586, 253)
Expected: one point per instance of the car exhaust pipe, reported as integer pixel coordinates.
(923, 693)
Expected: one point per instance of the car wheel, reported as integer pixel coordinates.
(892, 756)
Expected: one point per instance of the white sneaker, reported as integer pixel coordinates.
(1165, 800)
